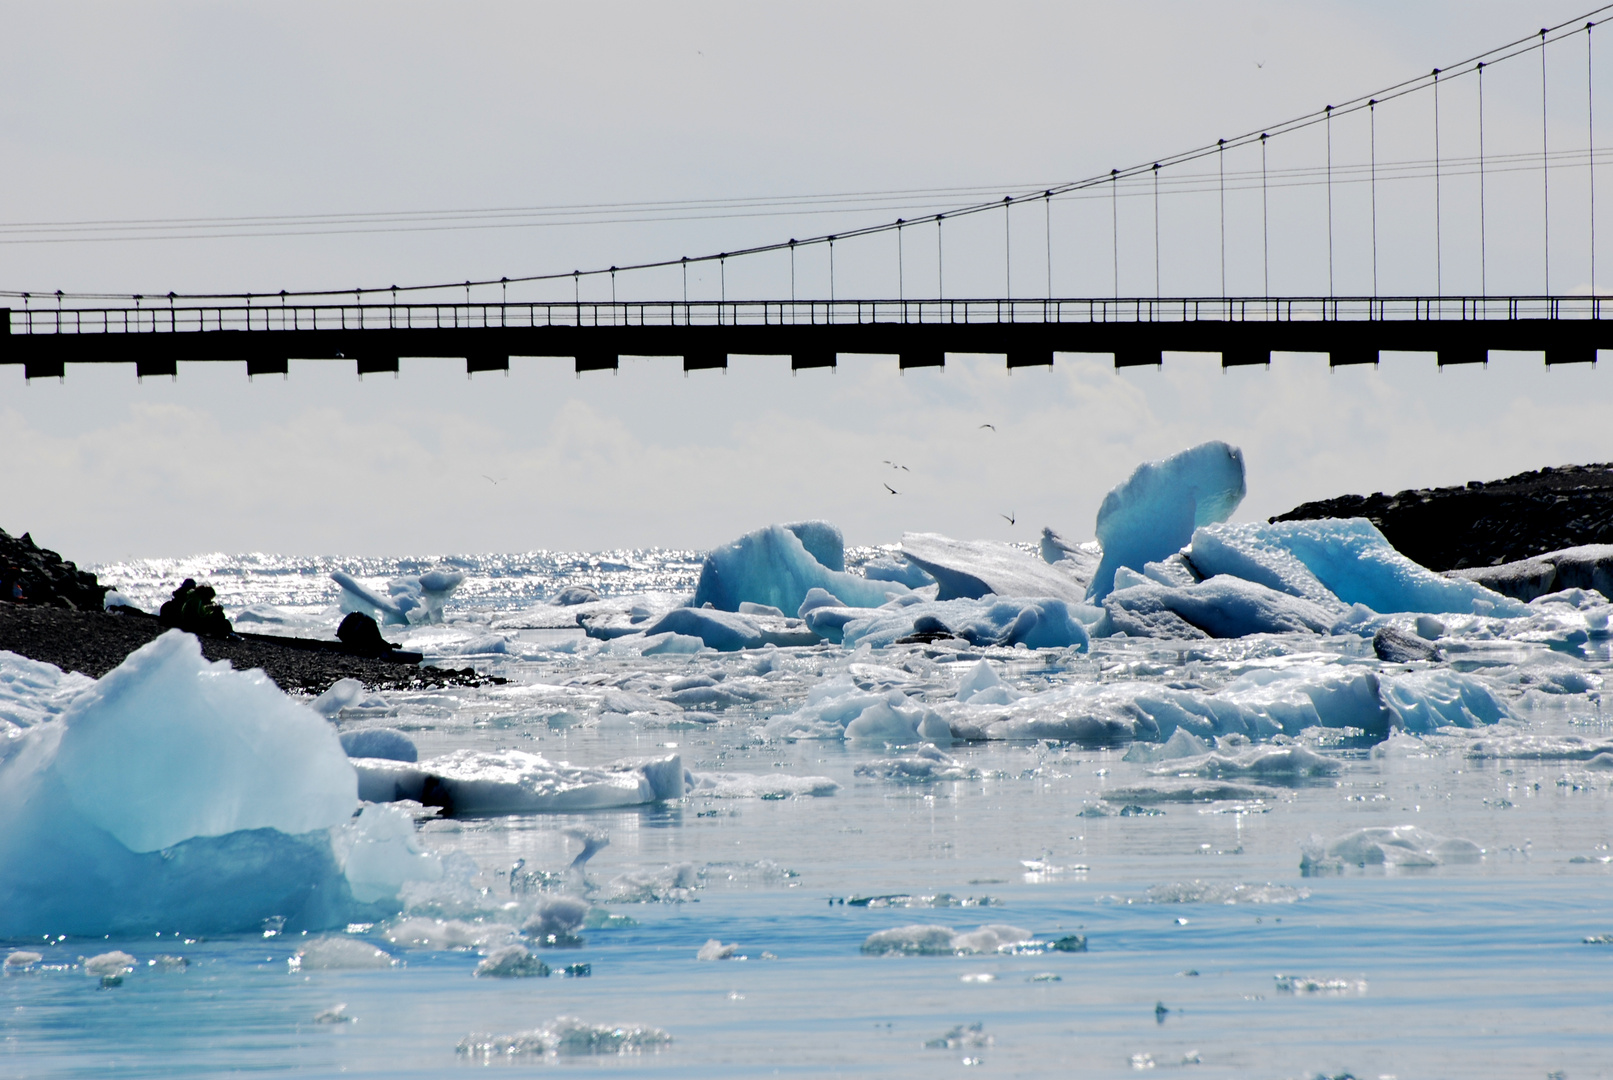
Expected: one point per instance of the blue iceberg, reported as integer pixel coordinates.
(1153, 514)
(775, 566)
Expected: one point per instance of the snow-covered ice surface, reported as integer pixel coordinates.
(1434, 837)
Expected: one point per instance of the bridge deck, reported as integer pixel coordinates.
(919, 332)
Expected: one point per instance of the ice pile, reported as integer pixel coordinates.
(177, 793)
(1037, 622)
(1402, 846)
(408, 600)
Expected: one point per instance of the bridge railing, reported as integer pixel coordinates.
(173, 318)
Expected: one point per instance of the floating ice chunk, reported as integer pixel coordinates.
(898, 569)
(833, 705)
(337, 953)
(1221, 606)
(972, 569)
(1079, 561)
(512, 962)
(923, 765)
(253, 758)
(1153, 514)
(1424, 701)
(1589, 566)
(1302, 985)
(1274, 764)
(1353, 561)
(982, 686)
(109, 965)
(1182, 744)
(20, 961)
(895, 725)
(32, 692)
(716, 950)
(379, 854)
(727, 785)
(920, 940)
(386, 743)
(728, 631)
(572, 595)
(343, 693)
(440, 934)
(556, 921)
(1188, 791)
(1540, 747)
(1036, 622)
(1254, 553)
(408, 600)
(1400, 846)
(336, 1014)
(774, 566)
(565, 1037)
(513, 781)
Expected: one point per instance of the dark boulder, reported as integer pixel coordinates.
(194, 610)
(30, 574)
(1395, 646)
(362, 636)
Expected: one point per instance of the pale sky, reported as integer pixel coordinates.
(164, 111)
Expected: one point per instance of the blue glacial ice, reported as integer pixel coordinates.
(105, 835)
(514, 781)
(1223, 607)
(776, 566)
(1035, 622)
(730, 631)
(1345, 558)
(1152, 515)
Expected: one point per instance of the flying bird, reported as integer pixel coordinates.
(490, 480)
(991, 426)
(1260, 63)
(1008, 517)
(893, 465)
(892, 490)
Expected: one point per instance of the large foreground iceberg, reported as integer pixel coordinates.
(776, 567)
(178, 794)
(1153, 514)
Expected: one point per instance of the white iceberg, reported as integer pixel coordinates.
(1153, 514)
(516, 782)
(409, 600)
(1037, 622)
(1222, 606)
(971, 569)
(729, 631)
(1401, 846)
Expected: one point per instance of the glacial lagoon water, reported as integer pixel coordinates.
(1209, 951)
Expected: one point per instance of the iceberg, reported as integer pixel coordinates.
(1153, 514)
(178, 793)
(729, 631)
(776, 566)
(1345, 557)
(1399, 846)
(840, 709)
(900, 570)
(1221, 606)
(920, 940)
(971, 569)
(1589, 566)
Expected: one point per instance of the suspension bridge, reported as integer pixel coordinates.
(1355, 203)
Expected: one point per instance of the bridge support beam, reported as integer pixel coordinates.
(816, 359)
(1030, 358)
(1140, 357)
(1245, 358)
(375, 365)
(705, 361)
(486, 362)
(595, 362)
(921, 358)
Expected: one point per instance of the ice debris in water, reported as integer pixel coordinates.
(512, 962)
(1220, 607)
(337, 953)
(921, 940)
(1292, 763)
(409, 600)
(563, 1037)
(418, 932)
(728, 785)
(841, 709)
(115, 839)
(109, 964)
(1402, 846)
(1212, 892)
(716, 950)
(336, 1014)
(1153, 514)
(925, 764)
(961, 1037)
(1036, 621)
(778, 564)
(1299, 984)
(386, 743)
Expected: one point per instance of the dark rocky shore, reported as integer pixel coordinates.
(1486, 524)
(52, 611)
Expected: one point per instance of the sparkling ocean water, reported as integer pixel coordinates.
(1209, 953)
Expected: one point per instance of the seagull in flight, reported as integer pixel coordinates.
(1008, 517)
(991, 426)
(892, 490)
(893, 465)
(490, 480)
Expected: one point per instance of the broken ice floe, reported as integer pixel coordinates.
(514, 781)
(337, 953)
(925, 764)
(1214, 892)
(408, 600)
(511, 962)
(972, 570)
(922, 940)
(1303, 985)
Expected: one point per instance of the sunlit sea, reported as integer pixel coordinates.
(1209, 953)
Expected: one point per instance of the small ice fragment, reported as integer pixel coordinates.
(565, 1036)
(556, 921)
(165, 962)
(109, 964)
(342, 693)
(716, 950)
(387, 743)
(1142, 1061)
(336, 1014)
(979, 977)
(336, 953)
(1045, 976)
(23, 960)
(512, 962)
(961, 1037)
